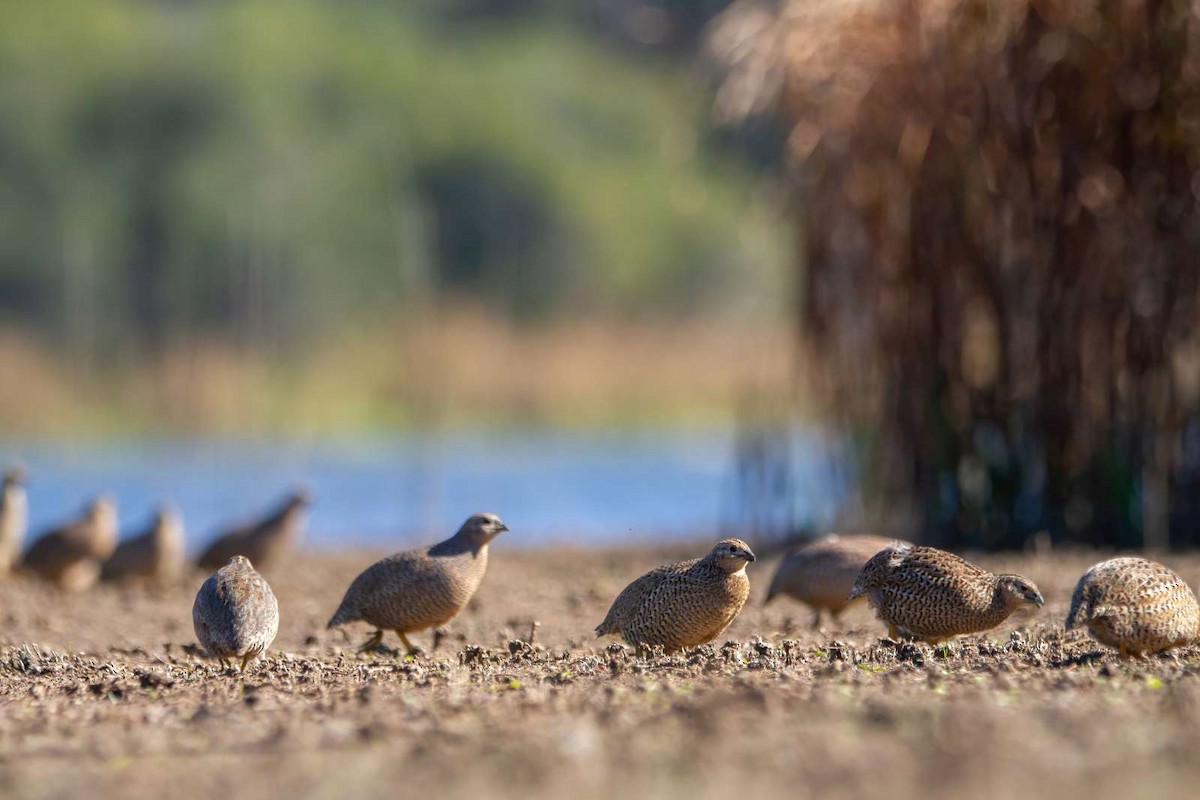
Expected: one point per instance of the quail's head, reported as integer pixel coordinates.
(877, 569)
(241, 562)
(732, 554)
(103, 509)
(482, 528)
(1019, 592)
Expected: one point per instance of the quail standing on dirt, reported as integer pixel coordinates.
(821, 574)
(420, 589)
(1136, 606)
(684, 604)
(264, 541)
(934, 595)
(155, 555)
(235, 614)
(70, 556)
(14, 512)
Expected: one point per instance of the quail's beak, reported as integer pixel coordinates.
(501, 527)
(750, 555)
(1036, 599)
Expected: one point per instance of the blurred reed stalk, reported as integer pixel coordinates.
(998, 283)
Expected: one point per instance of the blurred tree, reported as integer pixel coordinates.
(252, 172)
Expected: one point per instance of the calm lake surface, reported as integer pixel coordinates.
(592, 489)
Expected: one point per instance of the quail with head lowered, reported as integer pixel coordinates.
(14, 512)
(934, 595)
(821, 574)
(70, 556)
(420, 589)
(155, 555)
(264, 541)
(1135, 606)
(684, 604)
(235, 615)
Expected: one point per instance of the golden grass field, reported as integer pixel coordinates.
(103, 694)
(465, 366)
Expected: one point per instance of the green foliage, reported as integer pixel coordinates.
(259, 168)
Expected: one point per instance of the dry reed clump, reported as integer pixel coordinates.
(998, 210)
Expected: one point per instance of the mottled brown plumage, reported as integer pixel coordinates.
(685, 604)
(1136, 606)
(155, 555)
(235, 615)
(420, 589)
(934, 595)
(13, 518)
(821, 574)
(264, 541)
(70, 556)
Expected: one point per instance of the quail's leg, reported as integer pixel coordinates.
(373, 642)
(892, 632)
(438, 635)
(245, 660)
(224, 663)
(408, 646)
(816, 626)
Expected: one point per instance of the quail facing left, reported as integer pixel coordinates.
(155, 555)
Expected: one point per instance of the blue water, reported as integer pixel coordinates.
(590, 489)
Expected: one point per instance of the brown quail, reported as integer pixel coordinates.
(13, 518)
(934, 595)
(155, 555)
(1136, 606)
(821, 574)
(235, 615)
(263, 541)
(420, 589)
(71, 555)
(685, 604)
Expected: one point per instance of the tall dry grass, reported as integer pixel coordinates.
(443, 369)
(997, 202)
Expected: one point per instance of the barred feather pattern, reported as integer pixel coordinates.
(1135, 606)
(935, 595)
(684, 604)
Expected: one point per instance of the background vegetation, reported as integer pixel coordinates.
(202, 198)
(998, 288)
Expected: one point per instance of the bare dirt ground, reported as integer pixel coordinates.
(103, 694)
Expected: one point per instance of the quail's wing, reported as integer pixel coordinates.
(390, 574)
(634, 597)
